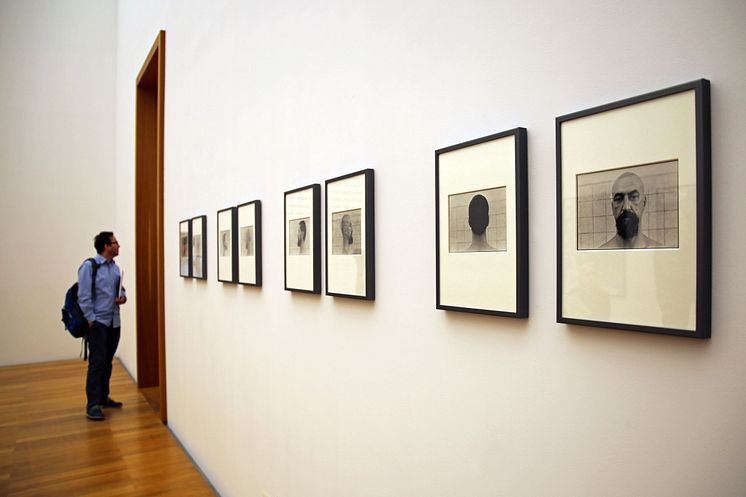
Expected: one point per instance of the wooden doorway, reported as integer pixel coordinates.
(151, 337)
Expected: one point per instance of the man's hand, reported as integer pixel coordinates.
(120, 300)
(90, 324)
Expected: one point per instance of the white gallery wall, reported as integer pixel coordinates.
(286, 395)
(57, 174)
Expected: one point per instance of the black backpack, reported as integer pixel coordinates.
(72, 315)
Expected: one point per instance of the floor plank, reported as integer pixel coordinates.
(48, 447)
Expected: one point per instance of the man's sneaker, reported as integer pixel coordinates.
(95, 413)
(112, 403)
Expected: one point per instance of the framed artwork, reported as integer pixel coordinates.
(250, 243)
(634, 213)
(185, 231)
(199, 247)
(350, 242)
(227, 245)
(481, 225)
(303, 239)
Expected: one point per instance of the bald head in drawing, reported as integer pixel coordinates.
(479, 219)
(628, 202)
(345, 226)
(302, 237)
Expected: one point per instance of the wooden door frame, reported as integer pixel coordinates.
(149, 117)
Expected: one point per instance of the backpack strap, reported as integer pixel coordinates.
(94, 265)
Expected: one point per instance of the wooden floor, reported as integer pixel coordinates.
(49, 448)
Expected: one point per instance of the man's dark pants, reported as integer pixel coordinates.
(102, 344)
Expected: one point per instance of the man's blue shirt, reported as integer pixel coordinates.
(103, 309)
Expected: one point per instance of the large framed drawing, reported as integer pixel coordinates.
(185, 232)
(634, 213)
(199, 247)
(250, 243)
(481, 209)
(350, 242)
(303, 239)
(227, 245)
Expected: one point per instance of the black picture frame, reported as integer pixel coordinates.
(481, 225)
(647, 277)
(302, 260)
(227, 245)
(350, 256)
(185, 248)
(249, 243)
(198, 262)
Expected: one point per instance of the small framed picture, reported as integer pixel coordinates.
(250, 243)
(481, 209)
(199, 247)
(303, 239)
(227, 245)
(350, 242)
(185, 232)
(634, 215)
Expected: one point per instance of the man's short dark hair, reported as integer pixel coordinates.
(101, 240)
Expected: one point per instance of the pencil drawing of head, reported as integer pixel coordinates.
(479, 219)
(346, 226)
(628, 201)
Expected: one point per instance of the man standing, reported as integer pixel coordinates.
(628, 205)
(101, 308)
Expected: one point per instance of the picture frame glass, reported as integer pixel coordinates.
(225, 245)
(477, 226)
(299, 240)
(247, 248)
(346, 236)
(184, 248)
(198, 248)
(629, 214)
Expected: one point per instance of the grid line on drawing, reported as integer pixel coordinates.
(460, 232)
(353, 222)
(660, 220)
